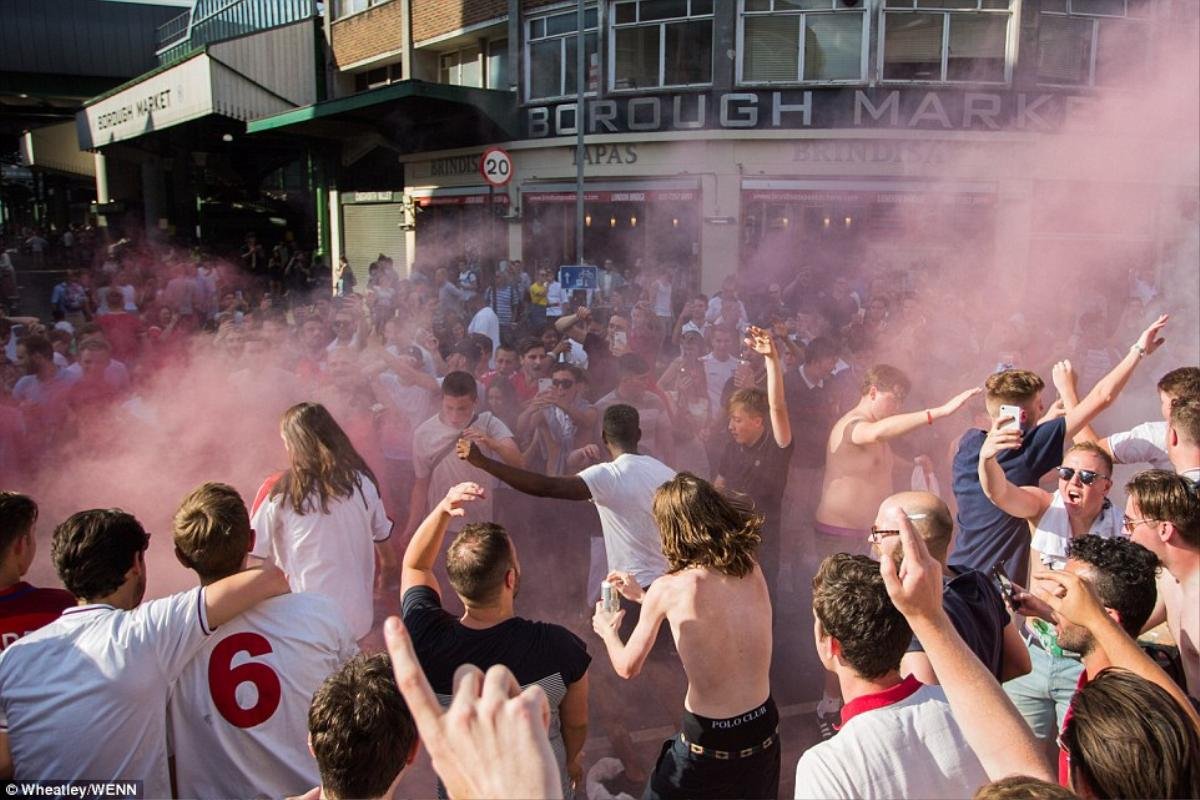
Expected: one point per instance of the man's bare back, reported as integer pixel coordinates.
(722, 630)
(858, 477)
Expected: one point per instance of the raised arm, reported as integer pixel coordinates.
(762, 342)
(992, 726)
(242, 591)
(866, 432)
(1025, 502)
(567, 487)
(422, 551)
(1065, 380)
(1105, 392)
(628, 657)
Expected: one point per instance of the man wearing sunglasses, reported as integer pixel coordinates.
(1079, 507)
(1162, 513)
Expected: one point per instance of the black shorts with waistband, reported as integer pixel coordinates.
(720, 758)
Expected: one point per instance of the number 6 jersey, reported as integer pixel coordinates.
(238, 714)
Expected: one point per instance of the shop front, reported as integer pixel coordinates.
(632, 223)
(836, 225)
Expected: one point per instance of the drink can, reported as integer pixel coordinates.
(608, 596)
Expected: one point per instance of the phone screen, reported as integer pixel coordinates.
(544, 384)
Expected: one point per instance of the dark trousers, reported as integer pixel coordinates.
(680, 773)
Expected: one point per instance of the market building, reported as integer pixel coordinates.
(723, 134)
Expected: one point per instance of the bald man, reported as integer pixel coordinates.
(970, 598)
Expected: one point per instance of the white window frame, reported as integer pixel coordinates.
(480, 57)
(341, 14)
(662, 24)
(526, 46)
(1010, 39)
(1096, 20)
(835, 9)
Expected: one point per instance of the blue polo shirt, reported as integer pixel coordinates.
(986, 534)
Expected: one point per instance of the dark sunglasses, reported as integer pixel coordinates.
(1086, 476)
(563, 384)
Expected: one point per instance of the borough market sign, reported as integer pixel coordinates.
(826, 108)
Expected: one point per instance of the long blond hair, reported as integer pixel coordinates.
(700, 527)
(325, 466)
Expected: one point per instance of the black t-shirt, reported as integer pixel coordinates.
(975, 608)
(536, 652)
(759, 471)
(810, 410)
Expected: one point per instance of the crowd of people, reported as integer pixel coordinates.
(976, 596)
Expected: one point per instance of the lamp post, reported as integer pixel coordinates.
(580, 116)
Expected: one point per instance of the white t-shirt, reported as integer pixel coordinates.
(908, 748)
(331, 554)
(716, 375)
(409, 401)
(555, 297)
(623, 491)
(577, 355)
(434, 458)
(1144, 444)
(85, 696)
(486, 322)
(238, 715)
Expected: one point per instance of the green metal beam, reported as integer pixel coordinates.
(496, 104)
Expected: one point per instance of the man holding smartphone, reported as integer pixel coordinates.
(987, 533)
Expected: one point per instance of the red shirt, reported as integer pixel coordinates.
(121, 331)
(25, 608)
(870, 702)
(1064, 758)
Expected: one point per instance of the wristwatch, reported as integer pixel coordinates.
(1141, 351)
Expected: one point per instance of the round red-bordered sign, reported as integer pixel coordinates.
(495, 165)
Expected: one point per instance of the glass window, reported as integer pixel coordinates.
(771, 50)
(785, 41)
(550, 53)
(1094, 42)
(912, 47)
(976, 51)
(833, 47)
(946, 40)
(661, 43)
(497, 65)
(1064, 50)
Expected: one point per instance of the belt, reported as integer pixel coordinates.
(727, 755)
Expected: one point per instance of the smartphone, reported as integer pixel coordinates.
(620, 340)
(1007, 590)
(19, 330)
(1014, 414)
(545, 384)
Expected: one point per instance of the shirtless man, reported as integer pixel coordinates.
(858, 459)
(858, 477)
(715, 599)
(1162, 513)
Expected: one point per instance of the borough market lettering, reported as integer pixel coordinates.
(158, 101)
(834, 108)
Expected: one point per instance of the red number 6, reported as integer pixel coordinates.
(224, 679)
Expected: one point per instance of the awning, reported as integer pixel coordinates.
(886, 192)
(459, 196)
(241, 79)
(411, 116)
(634, 191)
(56, 147)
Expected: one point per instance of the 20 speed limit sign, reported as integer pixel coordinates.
(496, 166)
